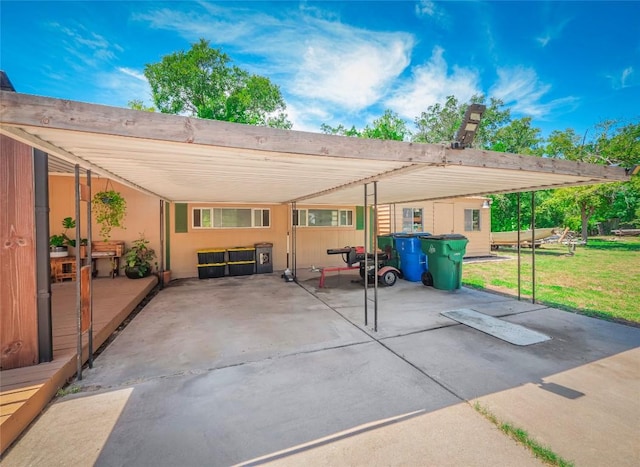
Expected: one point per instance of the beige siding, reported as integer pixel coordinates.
(312, 242)
(447, 216)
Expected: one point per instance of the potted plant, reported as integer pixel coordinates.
(110, 209)
(57, 246)
(138, 258)
(70, 223)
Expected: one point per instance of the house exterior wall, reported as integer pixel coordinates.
(143, 213)
(312, 242)
(447, 216)
(143, 216)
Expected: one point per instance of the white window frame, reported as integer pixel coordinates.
(408, 223)
(257, 217)
(471, 225)
(344, 217)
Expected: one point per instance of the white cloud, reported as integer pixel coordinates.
(521, 90)
(121, 85)
(626, 75)
(552, 32)
(308, 52)
(133, 73)
(623, 79)
(425, 8)
(432, 83)
(353, 73)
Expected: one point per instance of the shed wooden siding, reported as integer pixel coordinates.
(18, 287)
(447, 216)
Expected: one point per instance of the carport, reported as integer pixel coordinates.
(181, 159)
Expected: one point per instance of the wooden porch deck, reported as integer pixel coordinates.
(24, 392)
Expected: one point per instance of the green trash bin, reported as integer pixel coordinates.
(444, 254)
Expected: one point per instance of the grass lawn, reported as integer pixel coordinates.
(601, 279)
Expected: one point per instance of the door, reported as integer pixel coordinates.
(443, 218)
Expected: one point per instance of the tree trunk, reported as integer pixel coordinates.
(585, 214)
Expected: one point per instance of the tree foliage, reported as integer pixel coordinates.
(580, 208)
(611, 145)
(202, 82)
(440, 122)
(389, 127)
(138, 104)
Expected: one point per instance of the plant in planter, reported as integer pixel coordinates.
(58, 243)
(138, 259)
(70, 223)
(57, 246)
(110, 209)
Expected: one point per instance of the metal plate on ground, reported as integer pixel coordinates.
(509, 332)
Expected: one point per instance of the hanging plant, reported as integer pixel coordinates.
(110, 208)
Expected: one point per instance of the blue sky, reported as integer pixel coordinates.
(564, 64)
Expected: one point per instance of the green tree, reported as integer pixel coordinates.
(611, 145)
(440, 122)
(389, 127)
(138, 104)
(518, 137)
(201, 82)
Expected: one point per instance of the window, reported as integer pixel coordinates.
(471, 220)
(230, 218)
(412, 220)
(323, 217)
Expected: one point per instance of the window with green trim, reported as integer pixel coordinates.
(323, 217)
(231, 218)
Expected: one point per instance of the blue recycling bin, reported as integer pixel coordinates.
(413, 261)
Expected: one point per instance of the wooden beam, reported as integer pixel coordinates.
(24, 110)
(519, 162)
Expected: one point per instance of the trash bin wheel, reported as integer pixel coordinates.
(427, 278)
(389, 278)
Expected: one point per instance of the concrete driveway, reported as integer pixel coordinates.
(253, 370)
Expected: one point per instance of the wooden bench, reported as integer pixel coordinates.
(111, 250)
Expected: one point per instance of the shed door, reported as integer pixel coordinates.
(443, 218)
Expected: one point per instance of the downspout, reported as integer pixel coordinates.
(162, 284)
(43, 265)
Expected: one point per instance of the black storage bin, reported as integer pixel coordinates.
(210, 271)
(212, 256)
(242, 268)
(241, 254)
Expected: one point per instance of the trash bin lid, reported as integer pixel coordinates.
(444, 237)
(263, 245)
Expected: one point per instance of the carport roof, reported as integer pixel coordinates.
(187, 159)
